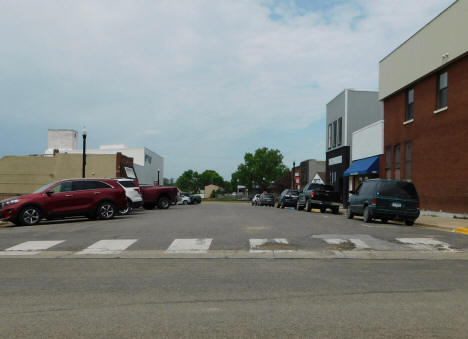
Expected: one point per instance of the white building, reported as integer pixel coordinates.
(148, 165)
(367, 148)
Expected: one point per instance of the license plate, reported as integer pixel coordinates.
(396, 204)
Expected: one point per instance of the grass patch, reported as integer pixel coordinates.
(343, 246)
(274, 246)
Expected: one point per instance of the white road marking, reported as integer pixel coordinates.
(30, 247)
(189, 246)
(425, 244)
(360, 241)
(255, 243)
(114, 246)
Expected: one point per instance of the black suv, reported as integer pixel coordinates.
(386, 200)
(288, 198)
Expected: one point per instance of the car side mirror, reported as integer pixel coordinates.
(352, 192)
(49, 193)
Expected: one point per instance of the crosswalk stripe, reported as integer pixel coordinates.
(256, 245)
(189, 246)
(30, 247)
(114, 246)
(425, 244)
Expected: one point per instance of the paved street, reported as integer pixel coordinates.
(230, 270)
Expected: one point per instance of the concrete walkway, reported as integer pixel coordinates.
(448, 224)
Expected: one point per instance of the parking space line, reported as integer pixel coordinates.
(114, 246)
(189, 246)
(30, 247)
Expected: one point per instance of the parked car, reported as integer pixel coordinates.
(385, 200)
(319, 196)
(195, 199)
(266, 199)
(132, 191)
(255, 199)
(94, 198)
(184, 200)
(288, 198)
(161, 196)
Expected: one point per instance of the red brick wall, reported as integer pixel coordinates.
(439, 141)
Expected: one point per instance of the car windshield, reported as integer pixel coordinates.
(398, 189)
(294, 192)
(269, 195)
(43, 188)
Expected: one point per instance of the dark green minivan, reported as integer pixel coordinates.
(385, 200)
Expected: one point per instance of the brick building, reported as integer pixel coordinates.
(424, 87)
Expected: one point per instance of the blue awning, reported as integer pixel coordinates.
(363, 166)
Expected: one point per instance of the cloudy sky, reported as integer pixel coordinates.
(200, 82)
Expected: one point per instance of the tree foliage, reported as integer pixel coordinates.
(189, 181)
(260, 169)
(192, 181)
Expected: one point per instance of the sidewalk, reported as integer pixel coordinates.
(447, 224)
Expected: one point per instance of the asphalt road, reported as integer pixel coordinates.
(243, 297)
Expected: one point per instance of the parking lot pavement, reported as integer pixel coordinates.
(226, 230)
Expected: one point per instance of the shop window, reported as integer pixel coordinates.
(442, 86)
(329, 136)
(388, 162)
(397, 161)
(409, 104)
(340, 131)
(408, 160)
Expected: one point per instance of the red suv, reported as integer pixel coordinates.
(94, 198)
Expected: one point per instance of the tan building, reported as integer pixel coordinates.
(25, 174)
(209, 189)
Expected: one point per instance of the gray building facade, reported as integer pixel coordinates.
(309, 168)
(348, 112)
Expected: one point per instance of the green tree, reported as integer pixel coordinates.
(209, 177)
(189, 181)
(260, 169)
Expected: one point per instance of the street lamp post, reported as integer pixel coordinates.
(158, 176)
(292, 175)
(85, 134)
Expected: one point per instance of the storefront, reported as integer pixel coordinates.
(361, 170)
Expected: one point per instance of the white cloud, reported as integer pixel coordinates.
(192, 76)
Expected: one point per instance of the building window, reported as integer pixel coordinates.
(329, 136)
(397, 162)
(442, 85)
(410, 104)
(340, 131)
(334, 133)
(408, 160)
(388, 162)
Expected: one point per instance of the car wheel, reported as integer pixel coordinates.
(282, 205)
(409, 222)
(278, 205)
(384, 221)
(128, 209)
(106, 210)
(349, 214)
(29, 216)
(336, 210)
(323, 210)
(366, 215)
(308, 206)
(163, 203)
(185, 202)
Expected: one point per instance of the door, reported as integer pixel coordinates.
(61, 200)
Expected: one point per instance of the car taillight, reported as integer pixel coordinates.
(312, 194)
(374, 201)
(137, 189)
